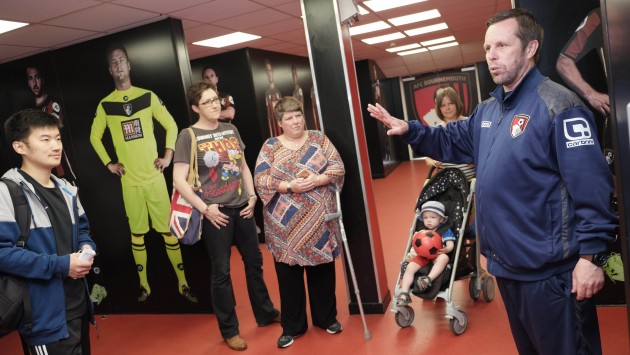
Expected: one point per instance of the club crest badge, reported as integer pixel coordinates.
(128, 109)
(519, 123)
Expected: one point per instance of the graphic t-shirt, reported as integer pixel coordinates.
(219, 159)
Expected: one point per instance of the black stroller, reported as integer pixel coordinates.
(448, 186)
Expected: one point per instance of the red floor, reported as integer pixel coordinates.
(487, 333)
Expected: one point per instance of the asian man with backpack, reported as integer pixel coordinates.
(50, 262)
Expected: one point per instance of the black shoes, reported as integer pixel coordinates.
(286, 340)
(185, 292)
(144, 294)
(276, 319)
(188, 295)
(334, 328)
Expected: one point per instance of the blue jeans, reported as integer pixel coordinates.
(242, 232)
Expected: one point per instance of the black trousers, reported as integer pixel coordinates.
(321, 292)
(78, 343)
(546, 318)
(218, 242)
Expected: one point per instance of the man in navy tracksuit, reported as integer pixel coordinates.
(61, 307)
(543, 194)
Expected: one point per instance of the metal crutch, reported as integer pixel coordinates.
(329, 217)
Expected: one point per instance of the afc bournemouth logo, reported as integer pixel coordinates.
(128, 109)
(519, 123)
(577, 132)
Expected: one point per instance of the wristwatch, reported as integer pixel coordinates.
(289, 188)
(600, 259)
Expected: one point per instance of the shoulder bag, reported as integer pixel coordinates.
(186, 221)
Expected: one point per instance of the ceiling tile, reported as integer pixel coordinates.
(253, 19)
(160, 6)
(217, 10)
(104, 17)
(278, 21)
(32, 36)
(33, 11)
(8, 53)
(278, 27)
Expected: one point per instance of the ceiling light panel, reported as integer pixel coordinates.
(417, 17)
(403, 48)
(227, 40)
(380, 5)
(370, 27)
(426, 29)
(384, 38)
(362, 10)
(438, 41)
(445, 45)
(6, 26)
(414, 51)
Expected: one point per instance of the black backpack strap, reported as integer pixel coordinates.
(23, 218)
(22, 210)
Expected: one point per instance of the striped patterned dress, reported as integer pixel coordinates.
(295, 230)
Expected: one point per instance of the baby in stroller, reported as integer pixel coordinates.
(433, 215)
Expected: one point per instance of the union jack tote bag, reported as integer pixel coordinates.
(185, 220)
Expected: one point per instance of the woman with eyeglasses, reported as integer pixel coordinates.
(227, 203)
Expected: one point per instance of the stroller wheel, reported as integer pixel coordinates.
(403, 321)
(472, 288)
(487, 286)
(458, 327)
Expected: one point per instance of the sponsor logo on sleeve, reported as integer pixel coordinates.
(519, 123)
(577, 132)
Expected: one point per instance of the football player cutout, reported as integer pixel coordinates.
(45, 102)
(128, 112)
(297, 89)
(272, 96)
(227, 101)
(587, 37)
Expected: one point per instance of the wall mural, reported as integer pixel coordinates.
(573, 54)
(117, 140)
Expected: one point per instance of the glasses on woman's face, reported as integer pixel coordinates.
(210, 102)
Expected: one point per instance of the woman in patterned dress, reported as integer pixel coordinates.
(296, 176)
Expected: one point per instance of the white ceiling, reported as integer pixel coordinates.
(59, 23)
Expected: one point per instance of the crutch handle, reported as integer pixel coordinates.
(330, 216)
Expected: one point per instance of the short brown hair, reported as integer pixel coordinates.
(196, 90)
(449, 92)
(287, 104)
(528, 28)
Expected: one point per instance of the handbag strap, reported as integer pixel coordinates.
(193, 171)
